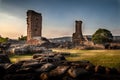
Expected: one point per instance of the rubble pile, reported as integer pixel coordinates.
(55, 67)
(25, 49)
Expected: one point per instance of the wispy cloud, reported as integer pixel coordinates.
(59, 16)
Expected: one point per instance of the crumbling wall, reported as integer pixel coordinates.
(34, 24)
(77, 37)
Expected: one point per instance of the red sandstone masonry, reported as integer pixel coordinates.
(34, 24)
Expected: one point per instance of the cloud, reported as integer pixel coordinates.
(58, 16)
(11, 26)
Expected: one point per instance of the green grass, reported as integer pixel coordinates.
(108, 58)
(16, 58)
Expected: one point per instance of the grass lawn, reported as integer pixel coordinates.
(108, 58)
(16, 58)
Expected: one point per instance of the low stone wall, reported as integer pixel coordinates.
(55, 67)
(25, 49)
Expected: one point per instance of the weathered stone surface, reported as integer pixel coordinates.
(100, 69)
(114, 71)
(44, 76)
(77, 72)
(24, 76)
(56, 70)
(77, 37)
(34, 29)
(33, 65)
(35, 56)
(50, 57)
(90, 68)
(58, 73)
(25, 70)
(2, 72)
(39, 41)
(24, 49)
(12, 68)
(59, 57)
(4, 58)
(47, 67)
(19, 50)
(4, 47)
(34, 24)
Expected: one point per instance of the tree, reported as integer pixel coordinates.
(102, 36)
(22, 37)
(3, 40)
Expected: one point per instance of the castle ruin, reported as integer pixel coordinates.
(77, 37)
(34, 25)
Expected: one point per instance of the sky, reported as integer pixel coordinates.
(59, 16)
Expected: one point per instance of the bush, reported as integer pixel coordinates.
(3, 40)
(22, 37)
(102, 36)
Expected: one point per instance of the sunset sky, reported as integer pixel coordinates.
(59, 16)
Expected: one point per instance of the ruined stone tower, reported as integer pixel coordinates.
(77, 37)
(34, 24)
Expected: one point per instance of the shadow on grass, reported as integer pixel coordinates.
(74, 55)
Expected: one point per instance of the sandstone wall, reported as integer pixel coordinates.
(34, 24)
